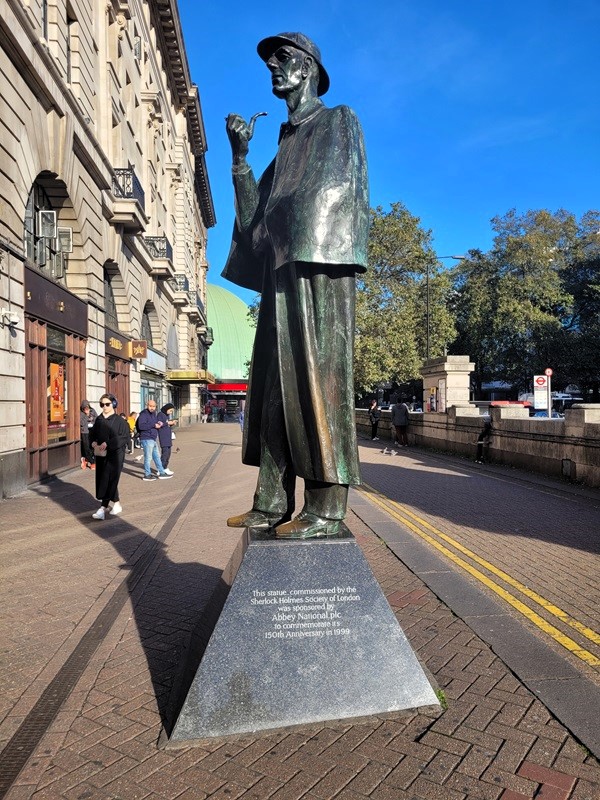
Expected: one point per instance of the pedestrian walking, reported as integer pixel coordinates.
(374, 417)
(87, 417)
(148, 425)
(109, 436)
(135, 438)
(400, 419)
(483, 442)
(166, 435)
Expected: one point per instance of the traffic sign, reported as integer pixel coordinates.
(548, 372)
(540, 381)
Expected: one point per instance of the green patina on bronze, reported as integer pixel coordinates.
(300, 236)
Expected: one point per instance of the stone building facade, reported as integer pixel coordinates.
(105, 205)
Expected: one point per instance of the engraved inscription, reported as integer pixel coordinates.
(305, 613)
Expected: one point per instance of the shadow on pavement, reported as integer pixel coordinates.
(498, 505)
(169, 600)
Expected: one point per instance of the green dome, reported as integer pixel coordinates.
(233, 333)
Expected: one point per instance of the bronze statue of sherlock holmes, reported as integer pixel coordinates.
(299, 239)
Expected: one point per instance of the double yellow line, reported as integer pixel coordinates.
(434, 537)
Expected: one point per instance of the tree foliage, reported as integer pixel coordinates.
(391, 302)
(533, 301)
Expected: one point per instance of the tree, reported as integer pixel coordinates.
(533, 300)
(391, 301)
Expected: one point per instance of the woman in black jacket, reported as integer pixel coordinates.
(109, 437)
(374, 416)
(165, 435)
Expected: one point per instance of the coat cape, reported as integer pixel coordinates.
(300, 236)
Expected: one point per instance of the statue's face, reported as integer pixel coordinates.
(286, 69)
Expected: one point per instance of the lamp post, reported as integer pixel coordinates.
(439, 258)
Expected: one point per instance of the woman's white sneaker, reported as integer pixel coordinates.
(169, 471)
(99, 514)
(116, 509)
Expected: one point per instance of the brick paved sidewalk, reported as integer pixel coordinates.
(495, 740)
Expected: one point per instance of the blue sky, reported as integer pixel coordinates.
(469, 107)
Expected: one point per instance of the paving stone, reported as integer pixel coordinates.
(405, 773)
(440, 767)
(265, 788)
(584, 790)
(472, 750)
(368, 778)
(472, 788)
(549, 792)
(509, 780)
(446, 743)
(536, 772)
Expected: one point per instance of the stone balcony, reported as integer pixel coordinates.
(127, 206)
(161, 253)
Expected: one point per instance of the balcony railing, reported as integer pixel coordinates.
(159, 247)
(180, 283)
(200, 305)
(206, 335)
(127, 186)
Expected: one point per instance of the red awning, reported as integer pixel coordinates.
(227, 387)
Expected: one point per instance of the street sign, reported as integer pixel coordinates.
(540, 391)
(542, 397)
(548, 372)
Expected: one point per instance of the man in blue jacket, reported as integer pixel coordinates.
(148, 425)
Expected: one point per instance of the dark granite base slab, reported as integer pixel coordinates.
(306, 635)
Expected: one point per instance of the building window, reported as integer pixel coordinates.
(146, 329)
(45, 19)
(42, 247)
(110, 307)
(70, 43)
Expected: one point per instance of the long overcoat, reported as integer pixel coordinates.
(115, 432)
(300, 237)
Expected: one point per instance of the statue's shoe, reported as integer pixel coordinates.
(254, 519)
(308, 526)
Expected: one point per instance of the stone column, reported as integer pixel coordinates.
(446, 382)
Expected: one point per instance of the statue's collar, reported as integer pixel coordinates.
(303, 114)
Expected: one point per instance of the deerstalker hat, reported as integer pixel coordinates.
(266, 48)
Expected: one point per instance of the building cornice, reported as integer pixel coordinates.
(185, 95)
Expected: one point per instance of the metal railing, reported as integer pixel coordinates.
(159, 247)
(127, 185)
(180, 283)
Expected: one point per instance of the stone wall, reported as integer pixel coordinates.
(568, 447)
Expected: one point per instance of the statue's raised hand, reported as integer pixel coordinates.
(240, 132)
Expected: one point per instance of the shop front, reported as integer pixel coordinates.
(153, 380)
(189, 387)
(118, 366)
(56, 333)
(227, 396)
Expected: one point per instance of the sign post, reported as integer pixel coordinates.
(548, 374)
(540, 392)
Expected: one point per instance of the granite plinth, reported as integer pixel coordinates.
(306, 635)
